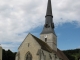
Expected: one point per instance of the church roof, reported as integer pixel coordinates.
(43, 45)
(61, 55)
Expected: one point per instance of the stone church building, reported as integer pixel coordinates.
(43, 48)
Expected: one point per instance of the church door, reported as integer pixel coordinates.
(28, 56)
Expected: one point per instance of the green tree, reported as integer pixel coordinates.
(8, 55)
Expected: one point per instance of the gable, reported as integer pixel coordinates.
(29, 41)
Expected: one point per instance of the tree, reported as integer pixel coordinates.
(8, 55)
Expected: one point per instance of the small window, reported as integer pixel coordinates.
(28, 44)
(45, 39)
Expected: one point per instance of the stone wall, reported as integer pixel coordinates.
(0, 53)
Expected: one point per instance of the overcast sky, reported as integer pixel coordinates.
(19, 17)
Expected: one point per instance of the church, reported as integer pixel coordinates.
(43, 48)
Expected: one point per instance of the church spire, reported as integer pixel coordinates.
(48, 34)
(49, 25)
(49, 9)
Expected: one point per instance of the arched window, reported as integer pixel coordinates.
(28, 56)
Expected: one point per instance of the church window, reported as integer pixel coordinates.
(28, 56)
(47, 25)
(52, 25)
(55, 56)
(45, 39)
(28, 44)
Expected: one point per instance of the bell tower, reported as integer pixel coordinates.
(48, 34)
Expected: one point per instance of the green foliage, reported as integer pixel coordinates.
(8, 55)
(72, 54)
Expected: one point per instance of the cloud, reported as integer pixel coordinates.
(66, 10)
(20, 16)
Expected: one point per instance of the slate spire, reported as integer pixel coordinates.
(49, 9)
(49, 25)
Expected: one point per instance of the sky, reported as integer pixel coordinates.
(20, 17)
